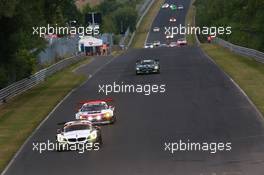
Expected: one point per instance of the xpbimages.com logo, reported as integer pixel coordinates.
(187, 30)
(41, 31)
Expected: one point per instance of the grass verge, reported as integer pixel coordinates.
(190, 19)
(144, 27)
(246, 72)
(21, 115)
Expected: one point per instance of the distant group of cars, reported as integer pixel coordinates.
(172, 6)
(85, 128)
(169, 37)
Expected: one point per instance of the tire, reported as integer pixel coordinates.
(113, 120)
(100, 141)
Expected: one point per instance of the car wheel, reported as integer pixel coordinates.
(113, 120)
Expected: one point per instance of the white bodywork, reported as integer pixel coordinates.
(156, 29)
(180, 7)
(102, 116)
(77, 136)
(169, 36)
(181, 42)
(156, 43)
(148, 45)
(166, 5)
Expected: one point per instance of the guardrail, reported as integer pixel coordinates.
(27, 83)
(257, 55)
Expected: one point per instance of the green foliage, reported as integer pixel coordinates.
(125, 17)
(246, 17)
(117, 15)
(17, 19)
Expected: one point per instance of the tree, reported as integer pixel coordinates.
(125, 17)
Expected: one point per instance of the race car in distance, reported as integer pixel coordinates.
(169, 36)
(163, 45)
(172, 19)
(148, 45)
(78, 132)
(181, 42)
(147, 66)
(173, 44)
(156, 29)
(156, 43)
(173, 7)
(164, 6)
(180, 7)
(97, 112)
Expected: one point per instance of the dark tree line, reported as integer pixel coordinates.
(117, 15)
(246, 17)
(18, 47)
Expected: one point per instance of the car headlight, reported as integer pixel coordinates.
(61, 138)
(137, 68)
(156, 67)
(93, 135)
(98, 117)
(107, 115)
(90, 118)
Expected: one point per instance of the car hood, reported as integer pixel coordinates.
(146, 66)
(77, 134)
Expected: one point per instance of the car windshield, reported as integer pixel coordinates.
(77, 127)
(93, 107)
(147, 62)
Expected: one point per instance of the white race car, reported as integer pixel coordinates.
(156, 43)
(97, 112)
(180, 7)
(164, 6)
(169, 36)
(156, 29)
(78, 132)
(181, 42)
(148, 45)
(173, 44)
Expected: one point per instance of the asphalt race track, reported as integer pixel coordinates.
(201, 104)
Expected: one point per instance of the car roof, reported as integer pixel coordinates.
(96, 102)
(147, 60)
(78, 122)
